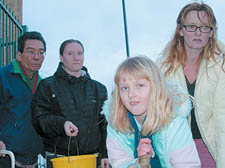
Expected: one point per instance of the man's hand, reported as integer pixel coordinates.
(70, 129)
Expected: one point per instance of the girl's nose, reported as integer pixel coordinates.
(132, 92)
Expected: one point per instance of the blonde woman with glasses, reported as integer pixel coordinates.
(195, 58)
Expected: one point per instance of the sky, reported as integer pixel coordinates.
(99, 25)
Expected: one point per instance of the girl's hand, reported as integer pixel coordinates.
(145, 148)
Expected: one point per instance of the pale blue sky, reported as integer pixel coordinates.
(98, 24)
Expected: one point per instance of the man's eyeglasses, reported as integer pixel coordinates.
(34, 53)
(193, 28)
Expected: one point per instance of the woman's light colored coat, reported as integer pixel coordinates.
(209, 98)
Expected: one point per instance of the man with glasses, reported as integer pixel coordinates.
(18, 83)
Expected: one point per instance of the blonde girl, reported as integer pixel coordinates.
(147, 116)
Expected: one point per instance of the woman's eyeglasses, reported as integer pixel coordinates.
(193, 28)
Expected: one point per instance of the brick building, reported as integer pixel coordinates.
(10, 29)
(16, 8)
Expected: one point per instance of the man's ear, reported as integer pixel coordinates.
(19, 55)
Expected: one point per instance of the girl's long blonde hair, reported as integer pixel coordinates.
(161, 104)
(175, 50)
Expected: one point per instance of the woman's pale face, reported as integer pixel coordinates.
(73, 58)
(196, 40)
(135, 95)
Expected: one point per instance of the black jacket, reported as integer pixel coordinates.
(61, 98)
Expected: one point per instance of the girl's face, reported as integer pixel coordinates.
(135, 95)
(196, 40)
(73, 58)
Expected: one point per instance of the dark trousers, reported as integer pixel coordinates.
(5, 162)
(48, 160)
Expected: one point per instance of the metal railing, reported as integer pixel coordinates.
(10, 30)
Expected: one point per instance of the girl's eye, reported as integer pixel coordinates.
(124, 88)
(140, 85)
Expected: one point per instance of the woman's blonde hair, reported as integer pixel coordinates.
(160, 108)
(175, 50)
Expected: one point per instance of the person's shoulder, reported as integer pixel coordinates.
(6, 69)
(219, 53)
(48, 78)
(9, 66)
(99, 88)
(221, 46)
(47, 81)
(1, 69)
(99, 85)
(45, 86)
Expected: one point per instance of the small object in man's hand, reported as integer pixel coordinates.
(144, 161)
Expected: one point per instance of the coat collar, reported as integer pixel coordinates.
(16, 69)
(61, 73)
